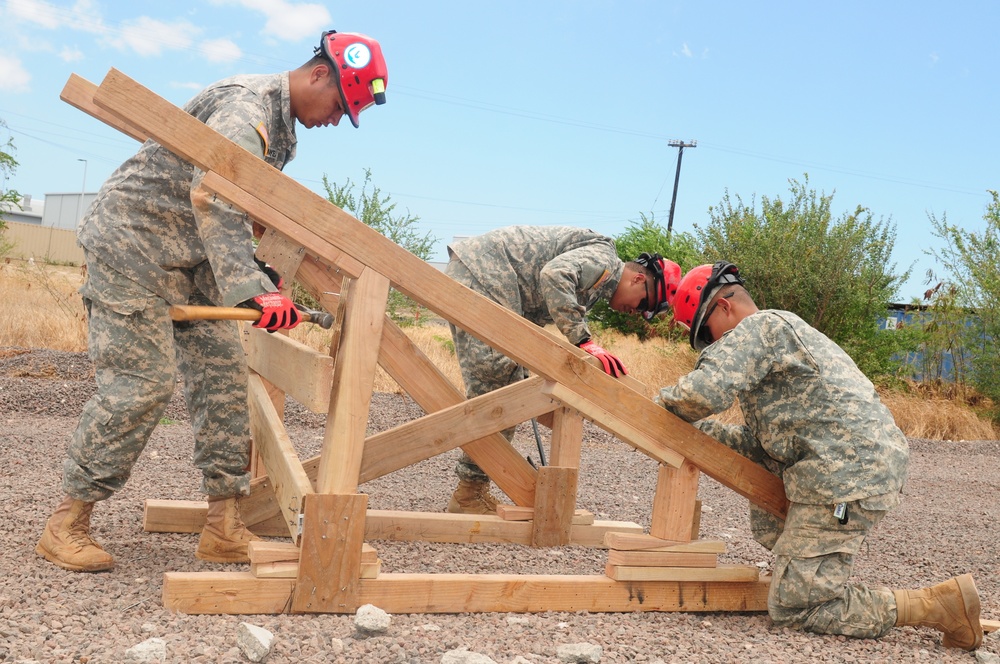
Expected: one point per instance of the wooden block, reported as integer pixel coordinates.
(567, 438)
(555, 502)
(662, 559)
(330, 565)
(674, 502)
(640, 542)
(290, 570)
(519, 513)
(174, 516)
(266, 551)
(241, 593)
(721, 573)
(989, 626)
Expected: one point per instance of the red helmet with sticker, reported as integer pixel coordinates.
(666, 278)
(695, 291)
(361, 72)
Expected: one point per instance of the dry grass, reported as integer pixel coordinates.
(43, 310)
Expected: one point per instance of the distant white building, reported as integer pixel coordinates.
(29, 212)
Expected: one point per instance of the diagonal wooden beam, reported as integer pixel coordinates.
(510, 334)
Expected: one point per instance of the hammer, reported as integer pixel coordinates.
(182, 312)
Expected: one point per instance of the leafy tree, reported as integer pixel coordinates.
(375, 209)
(646, 235)
(8, 165)
(836, 274)
(971, 259)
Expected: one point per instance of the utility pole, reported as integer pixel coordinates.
(680, 145)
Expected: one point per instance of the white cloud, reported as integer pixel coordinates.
(934, 58)
(13, 76)
(221, 50)
(68, 54)
(288, 21)
(148, 36)
(685, 51)
(35, 11)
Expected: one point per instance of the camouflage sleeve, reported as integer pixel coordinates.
(566, 277)
(739, 360)
(225, 230)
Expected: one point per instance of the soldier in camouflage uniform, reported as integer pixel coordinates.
(816, 421)
(547, 274)
(155, 237)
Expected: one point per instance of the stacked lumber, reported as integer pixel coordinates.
(280, 560)
(637, 557)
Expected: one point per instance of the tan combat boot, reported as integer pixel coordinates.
(472, 497)
(951, 607)
(224, 538)
(66, 540)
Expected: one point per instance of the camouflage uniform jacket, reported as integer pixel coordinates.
(547, 274)
(153, 221)
(805, 402)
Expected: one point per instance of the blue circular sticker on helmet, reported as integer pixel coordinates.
(357, 55)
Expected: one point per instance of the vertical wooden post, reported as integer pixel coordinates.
(333, 533)
(555, 504)
(567, 438)
(353, 379)
(674, 504)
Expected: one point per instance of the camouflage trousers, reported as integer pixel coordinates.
(483, 368)
(814, 555)
(137, 352)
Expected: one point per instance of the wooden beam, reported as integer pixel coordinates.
(240, 593)
(641, 542)
(721, 573)
(519, 513)
(292, 367)
(289, 481)
(267, 551)
(446, 429)
(353, 378)
(510, 334)
(79, 92)
(662, 559)
(555, 503)
(330, 564)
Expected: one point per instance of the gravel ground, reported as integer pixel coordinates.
(946, 526)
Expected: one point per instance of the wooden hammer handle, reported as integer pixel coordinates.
(184, 312)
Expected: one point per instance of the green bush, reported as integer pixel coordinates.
(836, 273)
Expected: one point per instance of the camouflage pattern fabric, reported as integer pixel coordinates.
(153, 237)
(153, 219)
(546, 274)
(815, 420)
(136, 350)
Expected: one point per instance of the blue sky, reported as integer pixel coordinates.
(560, 112)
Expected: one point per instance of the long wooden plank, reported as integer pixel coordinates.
(267, 551)
(641, 542)
(721, 573)
(79, 92)
(353, 378)
(448, 428)
(292, 367)
(241, 593)
(504, 330)
(290, 482)
(519, 513)
(662, 559)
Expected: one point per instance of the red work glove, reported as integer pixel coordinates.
(612, 365)
(277, 312)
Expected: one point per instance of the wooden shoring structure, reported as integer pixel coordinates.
(327, 567)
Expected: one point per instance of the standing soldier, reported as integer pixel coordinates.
(155, 237)
(547, 274)
(816, 421)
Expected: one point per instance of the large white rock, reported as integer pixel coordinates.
(255, 642)
(150, 650)
(370, 619)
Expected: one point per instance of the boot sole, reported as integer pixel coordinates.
(970, 599)
(55, 560)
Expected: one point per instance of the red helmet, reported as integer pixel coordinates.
(695, 291)
(666, 277)
(362, 73)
